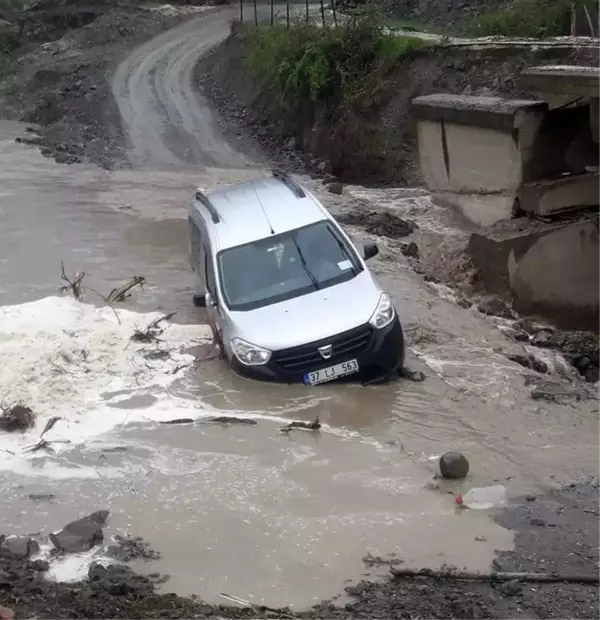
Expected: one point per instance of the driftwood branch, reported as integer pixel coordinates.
(123, 292)
(403, 573)
(73, 284)
(315, 425)
(258, 608)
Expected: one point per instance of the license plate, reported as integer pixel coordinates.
(331, 372)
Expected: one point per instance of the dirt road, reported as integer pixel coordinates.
(241, 509)
(167, 121)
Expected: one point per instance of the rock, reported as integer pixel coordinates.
(335, 188)
(413, 375)
(463, 302)
(382, 223)
(454, 465)
(494, 306)
(6, 613)
(510, 588)
(529, 361)
(118, 581)
(290, 144)
(410, 250)
(81, 535)
(531, 497)
(543, 338)
(324, 167)
(21, 546)
(16, 418)
(41, 497)
(537, 522)
(67, 158)
(40, 565)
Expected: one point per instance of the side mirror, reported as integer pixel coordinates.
(200, 301)
(370, 250)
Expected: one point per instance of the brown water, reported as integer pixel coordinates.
(247, 510)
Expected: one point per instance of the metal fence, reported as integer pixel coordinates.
(290, 8)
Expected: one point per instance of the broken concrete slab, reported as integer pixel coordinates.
(572, 80)
(556, 195)
(475, 152)
(549, 269)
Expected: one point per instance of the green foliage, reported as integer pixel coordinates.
(526, 18)
(311, 65)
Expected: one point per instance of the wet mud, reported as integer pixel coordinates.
(556, 532)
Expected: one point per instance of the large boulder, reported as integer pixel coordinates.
(81, 535)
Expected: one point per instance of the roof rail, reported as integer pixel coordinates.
(210, 207)
(290, 183)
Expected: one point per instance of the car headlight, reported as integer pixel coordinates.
(250, 354)
(384, 313)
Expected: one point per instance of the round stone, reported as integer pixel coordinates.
(453, 465)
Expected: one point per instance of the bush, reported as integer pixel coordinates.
(526, 18)
(311, 65)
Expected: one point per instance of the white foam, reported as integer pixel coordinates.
(76, 361)
(63, 358)
(72, 567)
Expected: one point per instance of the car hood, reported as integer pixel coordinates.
(311, 317)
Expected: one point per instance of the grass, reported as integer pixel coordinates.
(526, 18)
(307, 66)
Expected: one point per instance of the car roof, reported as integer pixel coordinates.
(259, 208)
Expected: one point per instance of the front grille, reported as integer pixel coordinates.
(306, 357)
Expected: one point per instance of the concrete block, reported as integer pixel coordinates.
(491, 112)
(548, 197)
(547, 269)
(571, 80)
(479, 209)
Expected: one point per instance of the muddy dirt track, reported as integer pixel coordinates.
(239, 508)
(166, 120)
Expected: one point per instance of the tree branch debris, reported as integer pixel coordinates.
(153, 331)
(315, 425)
(123, 292)
(74, 284)
(403, 573)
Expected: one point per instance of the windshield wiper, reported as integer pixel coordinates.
(305, 265)
(344, 251)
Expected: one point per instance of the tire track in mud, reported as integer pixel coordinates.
(167, 121)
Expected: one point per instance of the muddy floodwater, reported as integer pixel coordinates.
(245, 509)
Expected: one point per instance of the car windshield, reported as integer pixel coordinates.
(285, 266)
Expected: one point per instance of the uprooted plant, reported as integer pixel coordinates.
(74, 285)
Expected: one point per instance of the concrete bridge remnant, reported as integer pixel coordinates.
(525, 174)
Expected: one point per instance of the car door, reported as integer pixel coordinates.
(213, 307)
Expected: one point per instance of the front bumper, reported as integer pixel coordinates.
(378, 351)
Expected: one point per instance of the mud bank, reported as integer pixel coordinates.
(374, 141)
(63, 86)
(556, 532)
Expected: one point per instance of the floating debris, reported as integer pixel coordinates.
(315, 425)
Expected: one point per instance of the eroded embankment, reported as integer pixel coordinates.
(371, 137)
